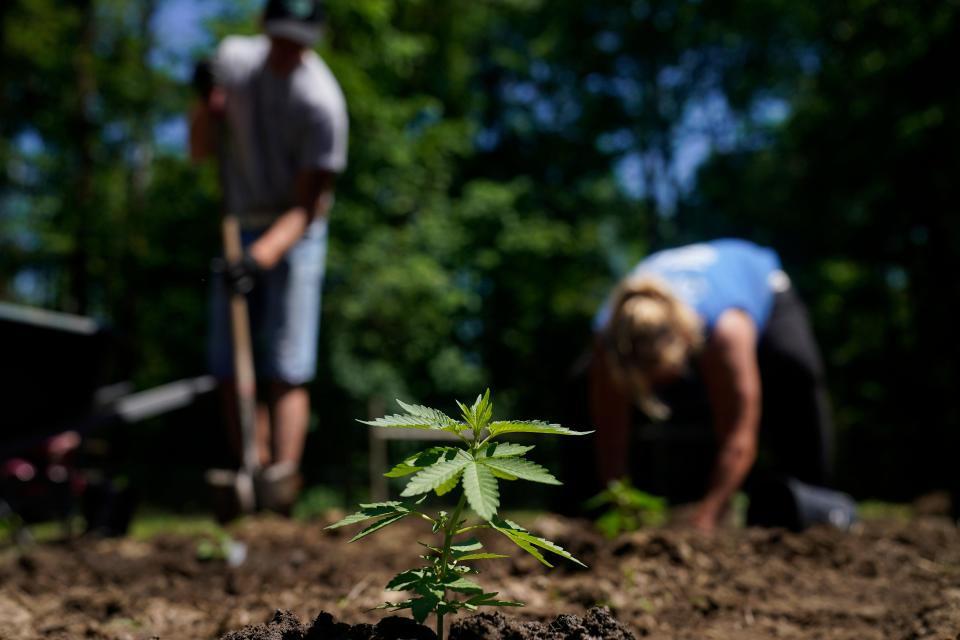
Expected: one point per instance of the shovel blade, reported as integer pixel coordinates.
(232, 493)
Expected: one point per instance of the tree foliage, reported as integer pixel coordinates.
(509, 160)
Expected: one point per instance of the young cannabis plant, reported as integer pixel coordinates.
(627, 508)
(441, 585)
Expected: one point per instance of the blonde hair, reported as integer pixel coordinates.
(649, 329)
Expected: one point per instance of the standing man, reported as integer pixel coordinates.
(284, 119)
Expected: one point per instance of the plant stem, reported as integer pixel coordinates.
(448, 533)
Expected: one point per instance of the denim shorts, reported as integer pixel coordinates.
(284, 313)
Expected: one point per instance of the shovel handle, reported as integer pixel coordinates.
(242, 351)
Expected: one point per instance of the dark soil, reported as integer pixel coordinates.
(884, 580)
(597, 624)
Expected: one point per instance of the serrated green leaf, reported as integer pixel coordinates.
(521, 468)
(481, 411)
(518, 534)
(402, 422)
(531, 426)
(480, 556)
(449, 607)
(502, 475)
(419, 460)
(371, 510)
(463, 585)
(429, 415)
(430, 588)
(552, 547)
(401, 469)
(430, 547)
(466, 413)
(422, 607)
(438, 474)
(405, 580)
(499, 603)
(487, 600)
(504, 450)
(448, 486)
(526, 546)
(380, 524)
(467, 545)
(481, 489)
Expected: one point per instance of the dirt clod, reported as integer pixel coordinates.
(598, 624)
(286, 626)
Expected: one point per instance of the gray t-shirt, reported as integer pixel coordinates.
(277, 126)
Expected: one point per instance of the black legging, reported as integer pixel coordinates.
(796, 426)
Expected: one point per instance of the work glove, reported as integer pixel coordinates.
(240, 276)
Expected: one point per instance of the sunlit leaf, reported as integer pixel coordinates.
(372, 510)
(429, 415)
(467, 545)
(531, 426)
(479, 556)
(380, 524)
(518, 534)
(504, 450)
(520, 468)
(482, 491)
(438, 474)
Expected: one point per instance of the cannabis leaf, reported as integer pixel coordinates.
(514, 468)
(418, 461)
(529, 542)
(481, 489)
(504, 450)
(371, 510)
(532, 426)
(439, 473)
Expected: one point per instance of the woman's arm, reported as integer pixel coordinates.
(732, 377)
(610, 412)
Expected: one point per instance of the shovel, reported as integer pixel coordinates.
(236, 490)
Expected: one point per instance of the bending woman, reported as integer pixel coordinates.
(726, 308)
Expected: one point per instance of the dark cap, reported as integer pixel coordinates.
(298, 20)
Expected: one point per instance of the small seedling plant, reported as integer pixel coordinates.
(443, 586)
(627, 508)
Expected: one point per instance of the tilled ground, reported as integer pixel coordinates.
(882, 581)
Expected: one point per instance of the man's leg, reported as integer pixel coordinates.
(291, 415)
(231, 412)
(295, 325)
(293, 319)
(280, 482)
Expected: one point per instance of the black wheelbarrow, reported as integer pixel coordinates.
(57, 388)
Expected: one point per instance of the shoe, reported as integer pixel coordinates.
(278, 487)
(231, 493)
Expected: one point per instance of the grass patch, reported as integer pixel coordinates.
(879, 510)
(149, 523)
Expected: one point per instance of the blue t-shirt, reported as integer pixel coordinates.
(712, 277)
